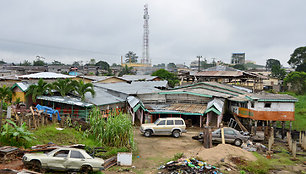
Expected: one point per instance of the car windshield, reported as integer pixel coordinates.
(156, 121)
(51, 152)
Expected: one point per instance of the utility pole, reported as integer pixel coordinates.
(199, 65)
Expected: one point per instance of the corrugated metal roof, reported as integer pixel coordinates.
(133, 88)
(66, 100)
(221, 68)
(45, 75)
(217, 103)
(138, 77)
(102, 97)
(186, 109)
(23, 86)
(133, 101)
(263, 96)
(183, 107)
(219, 73)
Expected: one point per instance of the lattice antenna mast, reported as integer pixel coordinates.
(145, 51)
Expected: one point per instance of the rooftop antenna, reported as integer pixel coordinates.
(145, 51)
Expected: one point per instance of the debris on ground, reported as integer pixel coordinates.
(110, 162)
(221, 152)
(251, 147)
(188, 165)
(8, 153)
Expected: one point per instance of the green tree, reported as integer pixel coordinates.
(92, 62)
(39, 89)
(55, 62)
(5, 96)
(75, 64)
(272, 62)
(278, 72)
(39, 62)
(298, 58)
(82, 88)
(126, 70)
(297, 81)
(131, 57)
(64, 86)
(166, 75)
(26, 63)
(102, 65)
(171, 66)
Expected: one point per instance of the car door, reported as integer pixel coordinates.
(58, 159)
(160, 127)
(229, 135)
(169, 126)
(75, 160)
(216, 135)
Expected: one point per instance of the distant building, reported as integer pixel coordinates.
(238, 58)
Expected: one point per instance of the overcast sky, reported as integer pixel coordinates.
(180, 30)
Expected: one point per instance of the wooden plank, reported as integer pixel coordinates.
(240, 124)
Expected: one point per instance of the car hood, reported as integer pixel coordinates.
(148, 125)
(35, 155)
(98, 159)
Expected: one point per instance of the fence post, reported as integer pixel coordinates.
(294, 149)
(304, 141)
(222, 134)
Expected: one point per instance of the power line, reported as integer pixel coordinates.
(55, 47)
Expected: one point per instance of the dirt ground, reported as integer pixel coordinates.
(155, 150)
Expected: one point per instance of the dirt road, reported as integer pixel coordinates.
(155, 150)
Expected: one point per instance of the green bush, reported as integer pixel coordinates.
(114, 131)
(14, 135)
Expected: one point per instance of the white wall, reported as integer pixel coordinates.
(275, 106)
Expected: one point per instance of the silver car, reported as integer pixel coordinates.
(230, 135)
(63, 159)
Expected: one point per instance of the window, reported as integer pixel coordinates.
(61, 153)
(169, 122)
(76, 154)
(217, 131)
(267, 105)
(179, 122)
(163, 122)
(252, 104)
(229, 132)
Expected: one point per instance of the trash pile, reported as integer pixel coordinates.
(188, 165)
(251, 147)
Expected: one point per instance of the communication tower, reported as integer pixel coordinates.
(145, 51)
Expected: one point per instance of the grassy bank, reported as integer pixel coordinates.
(300, 112)
(66, 136)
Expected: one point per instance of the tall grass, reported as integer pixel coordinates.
(114, 131)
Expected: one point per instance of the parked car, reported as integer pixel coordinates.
(174, 126)
(230, 135)
(63, 159)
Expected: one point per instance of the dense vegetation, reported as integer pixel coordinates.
(166, 75)
(115, 131)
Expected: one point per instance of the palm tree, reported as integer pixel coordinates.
(41, 88)
(64, 86)
(82, 88)
(5, 95)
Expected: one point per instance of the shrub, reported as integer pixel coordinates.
(15, 135)
(114, 131)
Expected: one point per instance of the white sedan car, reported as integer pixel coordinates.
(63, 159)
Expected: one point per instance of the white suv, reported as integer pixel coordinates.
(164, 126)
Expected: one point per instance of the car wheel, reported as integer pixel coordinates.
(148, 133)
(86, 169)
(238, 142)
(176, 133)
(36, 165)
